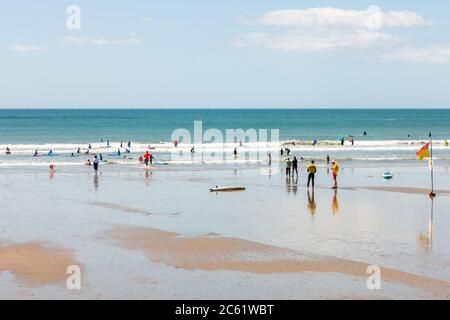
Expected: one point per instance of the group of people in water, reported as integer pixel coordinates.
(311, 169)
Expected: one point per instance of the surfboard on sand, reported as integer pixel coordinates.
(227, 189)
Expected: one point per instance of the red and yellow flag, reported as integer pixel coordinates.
(424, 152)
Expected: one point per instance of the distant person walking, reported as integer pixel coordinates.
(311, 169)
(294, 166)
(146, 158)
(288, 167)
(334, 171)
(96, 162)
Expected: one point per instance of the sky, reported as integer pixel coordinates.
(224, 54)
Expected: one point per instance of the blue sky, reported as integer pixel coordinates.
(254, 53)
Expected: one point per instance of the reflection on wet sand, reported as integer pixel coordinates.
(311, 203)
(147, 178)
(292, 184)
(334, 202)
(425, 242)
(96, 181)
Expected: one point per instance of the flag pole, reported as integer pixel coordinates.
(432, 194)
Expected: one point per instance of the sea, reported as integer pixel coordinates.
(390, 134)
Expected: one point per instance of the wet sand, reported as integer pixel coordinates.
(36, 264)
(273, 241)
(233, 254)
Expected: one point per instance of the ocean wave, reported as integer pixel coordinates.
(293, 145)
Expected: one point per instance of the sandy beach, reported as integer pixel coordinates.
(160, 234)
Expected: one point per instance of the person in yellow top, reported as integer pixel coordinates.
(334, 171)
(311, 169)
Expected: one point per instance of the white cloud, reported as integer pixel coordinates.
(73, 40)
(314, 41)
(318, 29)
(372, 17)
(100, 41)
(28, 48)
(438, 54)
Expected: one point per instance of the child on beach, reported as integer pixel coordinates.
(334, 170)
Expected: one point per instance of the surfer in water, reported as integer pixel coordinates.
(7, 150)
(328, 159)
(50, 153)
(118, 152)
(129, 144)
(36, 153)
(78, 150)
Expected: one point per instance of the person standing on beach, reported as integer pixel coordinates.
(334, 170)
(288, 167)
(294, 166)
(311, 169)
(270, 159)
(129, 144)
(281, 151)
(96, 162)
(328, 159)
(146, 158)
(235, 153)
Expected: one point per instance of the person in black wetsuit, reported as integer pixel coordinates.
(294, 166)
